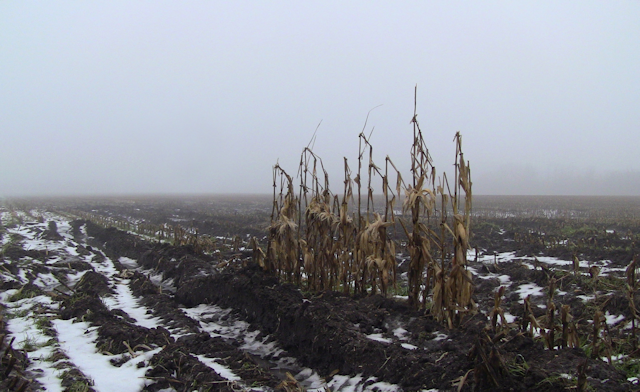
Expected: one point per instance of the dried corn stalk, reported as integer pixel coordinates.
(498, 312)
(313, 238)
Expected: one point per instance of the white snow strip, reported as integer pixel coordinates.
(73, 279)
(440, 336)
(5, 295)
(505, 280)
(125, 301)
(490, 258)
(129, 263)
(77, 341)
(26, 333)
(559, 262)
(604, 271)
(72, 251)
(156, 279)
(106, 267)
(509, 317)
(31, 338)
(529, 289)
(46, 281)
(379, 338)
(222, 370)
(409, 346)
(47, 374)
(355, 384)
(400, 333)
(382, 386)
(260, 347)
(612, 319)
(344, 383)
(618, 357)
(22, 276)
(214, 320)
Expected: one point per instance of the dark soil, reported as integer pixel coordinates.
(328, 332)
(12, 364)
(331, 332)
(51, 233)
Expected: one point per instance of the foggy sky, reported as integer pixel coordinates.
(123, 97)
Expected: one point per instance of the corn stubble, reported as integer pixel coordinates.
(323, 241)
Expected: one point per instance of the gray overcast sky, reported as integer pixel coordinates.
(205, 96)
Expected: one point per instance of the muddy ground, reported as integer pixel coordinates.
(372, 342)
(329, 332)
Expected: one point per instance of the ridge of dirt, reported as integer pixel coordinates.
(116, 332)
(51, 233)
(163, 306)
(174, 367)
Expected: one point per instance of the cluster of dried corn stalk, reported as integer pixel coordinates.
(321, 242)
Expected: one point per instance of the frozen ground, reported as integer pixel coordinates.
(59, 348)
(72, 344)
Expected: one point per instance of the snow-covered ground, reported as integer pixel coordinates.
(55, 346)
(67, 344)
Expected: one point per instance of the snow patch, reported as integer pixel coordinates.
(378, 338)
(529, 289)
(77, 341)
(222, 370)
